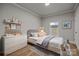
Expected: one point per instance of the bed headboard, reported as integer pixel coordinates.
(31, 31)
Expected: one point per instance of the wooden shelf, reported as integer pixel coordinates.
(12, 27)
(11, 23)
(12, 31)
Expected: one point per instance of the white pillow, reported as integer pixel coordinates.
(34, 34)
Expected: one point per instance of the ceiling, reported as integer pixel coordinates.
(53, 8)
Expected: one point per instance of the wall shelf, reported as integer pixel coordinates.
(11, 23)
(12, 26)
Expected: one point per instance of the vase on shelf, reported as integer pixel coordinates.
(8, 20)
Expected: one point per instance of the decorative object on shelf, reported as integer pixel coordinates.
(8, 20)
(13, 19)
(12, 25)
(67, 24)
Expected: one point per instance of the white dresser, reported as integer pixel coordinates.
(13, 43)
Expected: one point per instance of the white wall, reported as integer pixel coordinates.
(65, 33)
(1, 28)
(76, 33)
(29, 21)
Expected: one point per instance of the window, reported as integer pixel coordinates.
(54, 24)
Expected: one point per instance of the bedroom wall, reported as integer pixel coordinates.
(76, 33)
(65, 33)
(29, 21)
(1, 28)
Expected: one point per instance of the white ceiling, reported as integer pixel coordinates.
(42, 10)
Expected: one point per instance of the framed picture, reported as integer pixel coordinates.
(67, 24)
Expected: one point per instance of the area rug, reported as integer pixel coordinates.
(42, 51)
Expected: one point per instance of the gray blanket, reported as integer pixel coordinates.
(46, 41)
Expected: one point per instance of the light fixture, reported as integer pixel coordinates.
(47, 4)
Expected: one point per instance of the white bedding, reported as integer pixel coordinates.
(55, 42)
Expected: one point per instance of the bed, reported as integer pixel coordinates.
(49, 42)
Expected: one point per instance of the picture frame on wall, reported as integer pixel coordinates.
(67, 25)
